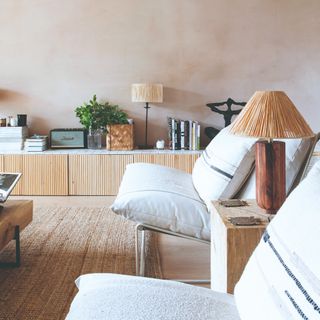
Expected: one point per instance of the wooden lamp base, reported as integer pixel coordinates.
(270, 175)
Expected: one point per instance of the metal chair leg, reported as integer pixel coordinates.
(140, 252)
(137, 249)
(140, 249)
(17, 263)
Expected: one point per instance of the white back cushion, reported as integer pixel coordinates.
(162, 197)
(296, 150)
(224, 166)
(282, 277)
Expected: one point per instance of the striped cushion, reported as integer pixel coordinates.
(224, 166)
(296, 152)
(282, 278)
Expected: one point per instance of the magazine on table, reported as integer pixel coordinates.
(7, 183)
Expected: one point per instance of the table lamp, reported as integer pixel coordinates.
(271, 115)
(147, 93)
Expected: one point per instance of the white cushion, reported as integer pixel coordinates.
(224, 166)
(119, 297)
(296, 151)
(282, 277)
(162, 197)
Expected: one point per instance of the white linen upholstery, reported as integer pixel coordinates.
(296, 151)
(162, 197)
(170, 199)
(118, 297)
(224, 166)
(282, 277)
(281, 280)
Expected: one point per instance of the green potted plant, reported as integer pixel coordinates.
(96, 116)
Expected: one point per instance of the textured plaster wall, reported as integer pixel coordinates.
(55, 54)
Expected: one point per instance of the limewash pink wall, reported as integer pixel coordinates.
(56, 54)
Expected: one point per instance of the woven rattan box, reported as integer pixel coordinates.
(120, 137)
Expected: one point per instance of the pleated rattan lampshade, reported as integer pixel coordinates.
(271, 115)
(147, 92)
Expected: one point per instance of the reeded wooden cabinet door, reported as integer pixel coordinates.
(13, 163)
(1, 163)
(96, 174)
(41, 174)
(183, 162)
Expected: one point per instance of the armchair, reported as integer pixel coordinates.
(172, 202)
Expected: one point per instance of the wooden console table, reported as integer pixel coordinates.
(231, 245)
(84, 171)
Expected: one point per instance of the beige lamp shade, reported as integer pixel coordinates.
(271, 115)
(147, 92)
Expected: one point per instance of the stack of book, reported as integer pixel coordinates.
(183, 134)
(12, 138)
(36, 143)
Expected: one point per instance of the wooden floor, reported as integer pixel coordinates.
(180, 258)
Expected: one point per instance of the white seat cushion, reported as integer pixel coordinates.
(224, 166)
(162, 197)
(296, 151)
(119, 297)
(282, 277)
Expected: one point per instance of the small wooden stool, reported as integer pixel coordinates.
(15, 215)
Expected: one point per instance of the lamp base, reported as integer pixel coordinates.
(145, 146)
(270, 175)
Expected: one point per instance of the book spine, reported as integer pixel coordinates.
(35, 143)
(36, 148)
(37, 139)
(194, 135)
(182, 135)
(190, 135)
(173, 134)
(198, 137)
(170, 132)
(186, 135)
(178, 136)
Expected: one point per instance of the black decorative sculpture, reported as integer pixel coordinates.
(227, 114)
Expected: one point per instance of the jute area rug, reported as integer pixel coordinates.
(61, 244)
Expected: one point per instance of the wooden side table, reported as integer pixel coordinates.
(231, 245)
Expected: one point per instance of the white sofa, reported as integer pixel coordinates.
(281, 280)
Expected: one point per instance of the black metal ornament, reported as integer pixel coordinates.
(227, 114)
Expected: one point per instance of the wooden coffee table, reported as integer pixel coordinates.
(15, 215)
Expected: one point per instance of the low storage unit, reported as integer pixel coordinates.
(84, 172)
